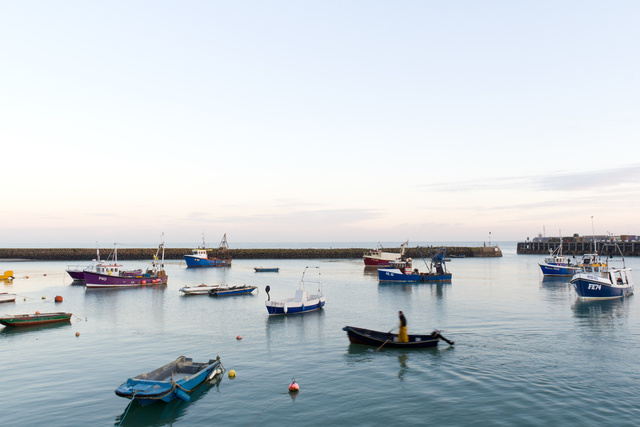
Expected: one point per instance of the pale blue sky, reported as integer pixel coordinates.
(318, 121)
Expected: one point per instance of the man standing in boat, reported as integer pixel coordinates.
(402, 335)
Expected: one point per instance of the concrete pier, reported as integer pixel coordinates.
(579, 248)
(125, 254)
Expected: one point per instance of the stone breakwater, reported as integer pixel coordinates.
(125, 254)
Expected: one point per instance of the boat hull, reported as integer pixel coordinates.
(7, 297)
(596, 287)
(266, 270)
(97, 280)
(395, 275)
(238, 290)
(294, 307)
(375, 338)
(146, 391)
(35, 319)
(76, 274)
(194, 261)
(557, 270)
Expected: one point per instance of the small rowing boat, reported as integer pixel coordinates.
(198, 290)
(221, 291)
(35, 319)
(7, 297)
(266, 269)
(387, 339)
(174, 380)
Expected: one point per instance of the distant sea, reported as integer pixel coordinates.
(254, 245)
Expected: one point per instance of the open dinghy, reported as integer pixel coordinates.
(175, 379)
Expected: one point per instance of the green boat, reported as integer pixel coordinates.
(35, 319)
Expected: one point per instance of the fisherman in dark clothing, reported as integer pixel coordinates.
(402, 335)
(267, 289)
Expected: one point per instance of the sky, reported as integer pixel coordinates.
(317, 121)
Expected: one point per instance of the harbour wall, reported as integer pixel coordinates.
(85, 254)
(579, 248)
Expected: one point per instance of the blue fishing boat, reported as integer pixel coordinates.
(220, 291)
(558, 265)
(173, 380)
(300, 303)
(599, 280)
(402, 273)
(200, 256)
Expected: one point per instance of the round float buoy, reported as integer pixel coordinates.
(294, 387)
(239, 337)
(144, 282)
(26, 277)
(77, 334)
(37, 312)
(44, 274)
(58, 298)
(232, 374)
(44, 297)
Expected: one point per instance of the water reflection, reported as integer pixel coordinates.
(600, 314)
(556, 288)
(438, 289)
(280, 329)
(163, 413)
(7, 330)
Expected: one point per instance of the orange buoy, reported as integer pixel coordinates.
(44, 297)
(144, 282)
(239, 337)
(58, 298)
(77, 334)
(37, 312)
(294, 387)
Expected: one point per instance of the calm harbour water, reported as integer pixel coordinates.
(527, 351)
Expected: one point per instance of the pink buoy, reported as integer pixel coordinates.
(294, 387)
(239, 337)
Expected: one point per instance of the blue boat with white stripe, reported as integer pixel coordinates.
(402, 273)
(599, 280)
(558, 265)
(200, 256)
(300, 303)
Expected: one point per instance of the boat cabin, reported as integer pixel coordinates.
(199, 253)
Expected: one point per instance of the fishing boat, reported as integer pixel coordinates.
(301, 302)
(111, 275)
(557, 264)
(77, 271)
(200, 256)
(198, 290)
(598, 280)
(7, 275)
(35, 319)
(377, 256)
(231, 290)
(174, 380)
(387, 339)
(436, 271)
(7, 297)
(266, 269)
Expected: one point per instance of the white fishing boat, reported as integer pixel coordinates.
(302, 302)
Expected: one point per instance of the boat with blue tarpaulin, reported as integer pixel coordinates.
(176, 379)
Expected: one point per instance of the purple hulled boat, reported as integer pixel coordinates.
(113, 276)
